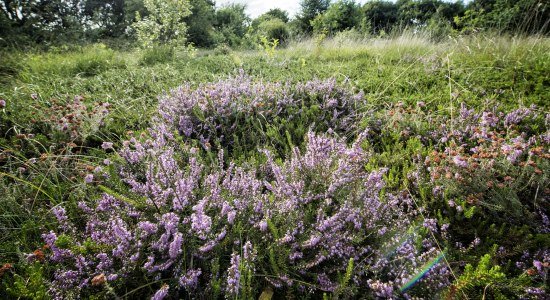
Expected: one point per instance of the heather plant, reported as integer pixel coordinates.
(239, 115)
(304, 224)
(494, 162)
(488, 177)
(73, 121)
(294, 226)
(483, 173)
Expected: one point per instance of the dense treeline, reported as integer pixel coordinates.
(57, 21)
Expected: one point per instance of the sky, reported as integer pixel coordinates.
(258, 7)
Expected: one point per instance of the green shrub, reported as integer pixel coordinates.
(274, 29)
(156, 55)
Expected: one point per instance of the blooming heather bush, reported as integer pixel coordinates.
(238, 115)
(496, 162)
(490, 170)
(482, 173)
(210, 230)
(74, 121)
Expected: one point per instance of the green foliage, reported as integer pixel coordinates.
(109, 16)
(201, 23)
(30, 286)
(164, 23)
(524, 16)
(341, 15)
(269, 46)
(89, 61)
(380, 15)
(231, 25)
(309, 10)
(274, 29)
(275, 13)
(486, 279)
(42, 20)
(157, 54)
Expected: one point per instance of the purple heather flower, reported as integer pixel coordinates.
(538, 265)
(112, 277)
(431, 224)
(107, 145)
(536, 292)
(191, 279)
(2, 103)
(234, 275)
(60, 214)
(460, 162)
(175, 246)
(325, 284)
(263, 225)
(148, 227)
(161, 293)
(200, 222)
(489, 119)
(89, 178)
(249, 254)
(382, 289)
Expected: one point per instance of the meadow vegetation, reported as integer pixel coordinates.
(178, 149)
(333, 167)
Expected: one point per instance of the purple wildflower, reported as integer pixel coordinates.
(89, 178)
(161, 293)
(107, 145)
(460, 161)
(191, 279)
(234, 275)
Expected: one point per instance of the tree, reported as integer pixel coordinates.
(380, 15)
(107, 15)
(277, 13)
(274, 13)
(42, 19)
(525, 16)
(165, 23)
(133, 8)
(201, 23)
(309, 10)
(231, 24)
(341, 15)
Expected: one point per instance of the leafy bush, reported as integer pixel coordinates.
(164, 23)
(274, 29)
(341, 15)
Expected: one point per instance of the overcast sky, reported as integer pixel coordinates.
(258, 7)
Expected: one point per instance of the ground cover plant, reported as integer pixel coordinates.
(336, 168)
